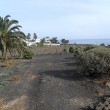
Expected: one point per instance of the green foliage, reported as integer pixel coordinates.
(71, 50)
(96, 61)
(108, 46)
(89, 48)
(65, 50)
(3, 84)
(28, 54)
(102, 44)
(54, 40)
(35, 36)
(64, 41)
(77, 51)
(28, 36)
(11, 38)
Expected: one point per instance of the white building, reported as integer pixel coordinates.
(32, 42)
(48, 42)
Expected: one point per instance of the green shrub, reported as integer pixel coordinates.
(89, 48)
(71, 50)
(96, 61)
(102, 44)
(65, 50)
(28, 54)
(108, 46)
(77, 51)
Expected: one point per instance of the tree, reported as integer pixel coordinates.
(35, 36)
(54, 40)
(64, 41)
(10, 36)
(67, 42)
(28, 36)
(42, 42)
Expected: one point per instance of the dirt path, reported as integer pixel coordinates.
(48, 82)
(59, 87)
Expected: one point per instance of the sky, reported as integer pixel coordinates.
(69, 19)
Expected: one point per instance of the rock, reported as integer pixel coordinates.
(108, 100)
(91, 106)
(109, 106)
(100, 106)
(106, 103)
(105, 108)
(108, 84)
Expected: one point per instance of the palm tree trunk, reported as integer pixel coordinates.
(4, 51)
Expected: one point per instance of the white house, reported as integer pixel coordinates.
(48, 42)
(32, 42)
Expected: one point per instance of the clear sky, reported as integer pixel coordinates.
(70, 19)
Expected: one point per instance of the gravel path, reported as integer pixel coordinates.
(48, 82)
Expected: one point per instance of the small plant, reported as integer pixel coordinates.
(65, 50)
(28, 55)
(71, 50)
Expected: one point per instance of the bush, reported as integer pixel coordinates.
(65, 50)
(89, 48)
(28, 54)
(102, 44)
(108, 46)
(71, 50)
(77, 51)
(96, 61)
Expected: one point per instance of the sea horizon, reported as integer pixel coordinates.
(90, 41)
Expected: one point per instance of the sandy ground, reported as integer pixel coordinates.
(47, 82)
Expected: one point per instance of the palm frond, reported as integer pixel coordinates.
(11, 22)
(15, 28)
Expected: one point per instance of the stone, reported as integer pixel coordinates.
(109, 106)
(108, 84)
(105, 108)
(100, 106)
(108, 100)
(106, 103)
(91, 106)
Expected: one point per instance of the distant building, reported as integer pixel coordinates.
(32, 42)
(48, 42)
(38, 40)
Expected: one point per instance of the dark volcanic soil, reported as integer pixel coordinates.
(47, 82)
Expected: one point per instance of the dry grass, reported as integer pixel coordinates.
(17, 104)
(8, 63)
(1, 103)
(50, 49)
(14, 78)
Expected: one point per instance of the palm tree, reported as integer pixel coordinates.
(10, 35)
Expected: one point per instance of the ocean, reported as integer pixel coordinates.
(90, 41)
